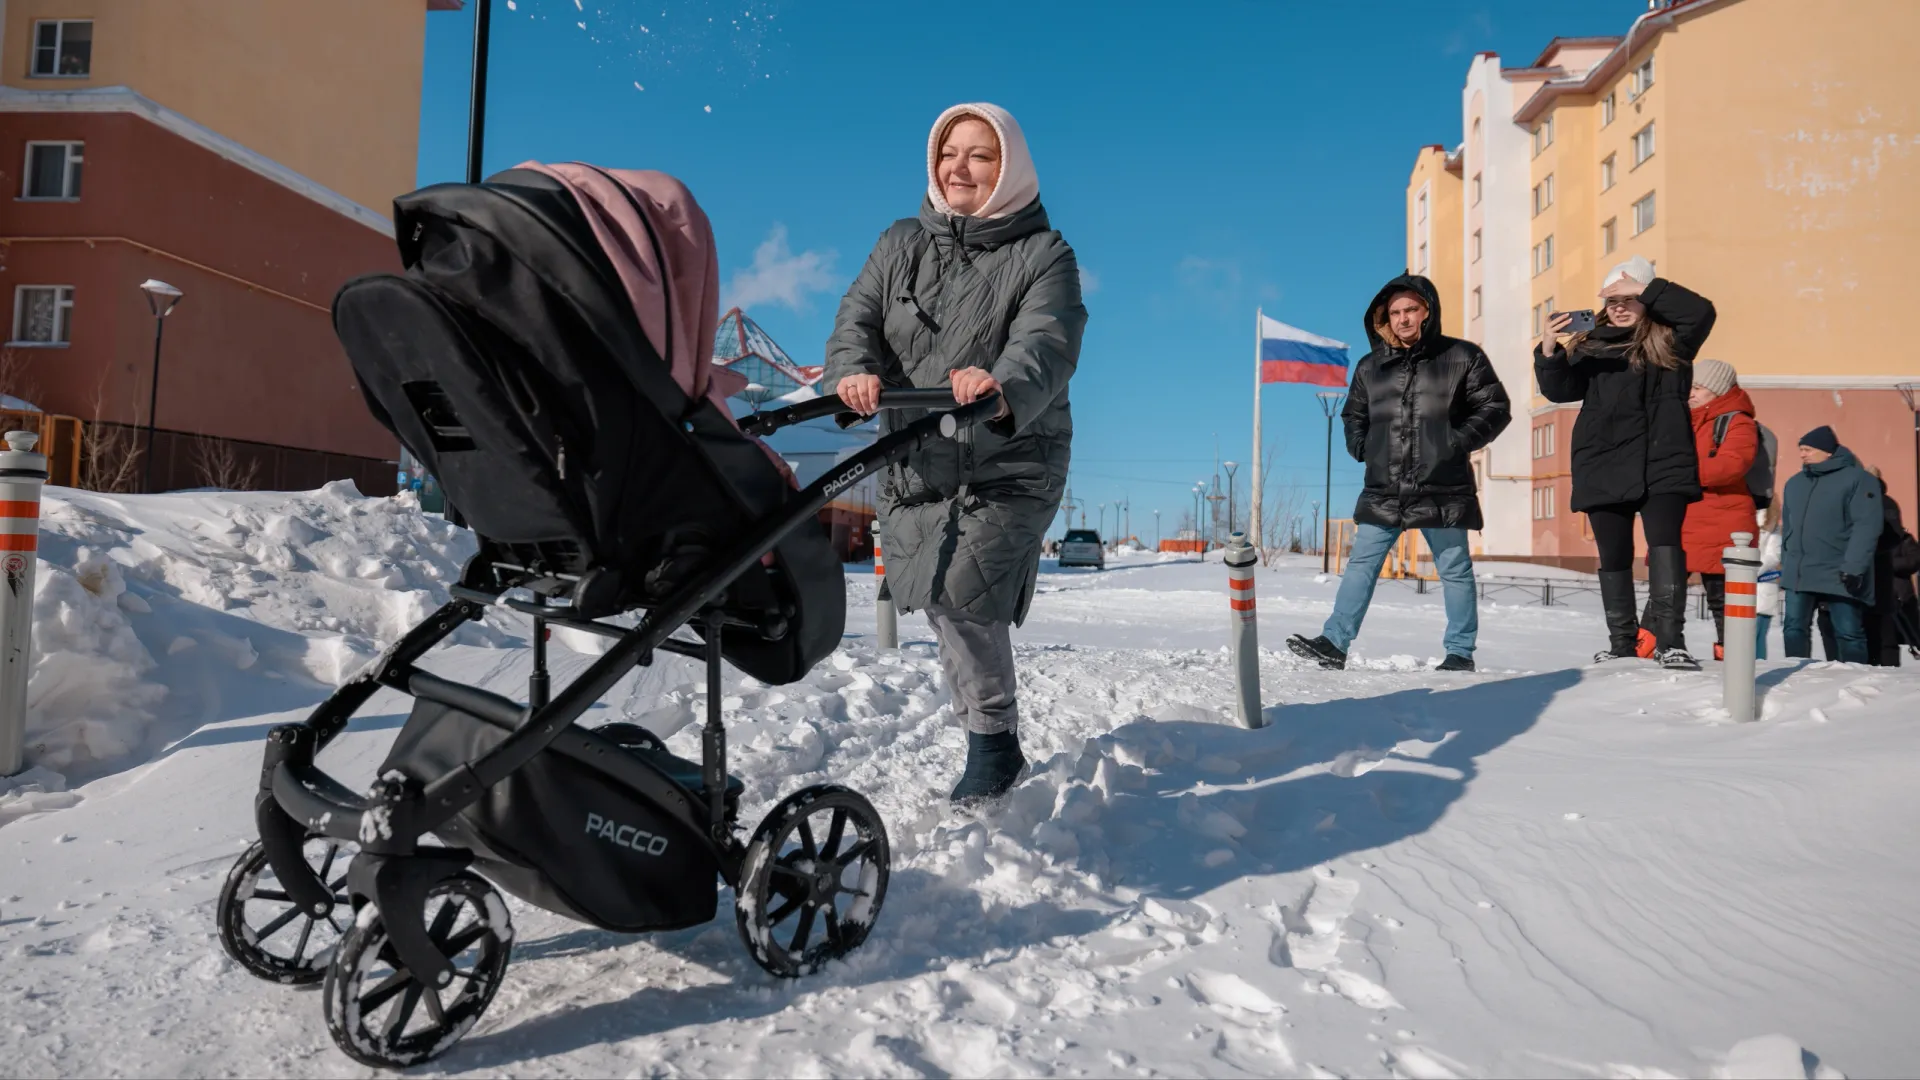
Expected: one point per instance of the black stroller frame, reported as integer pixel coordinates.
(393, 871)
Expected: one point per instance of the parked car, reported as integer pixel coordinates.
(1082, 547)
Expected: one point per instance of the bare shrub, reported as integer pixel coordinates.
(218, 466)
(110, 457)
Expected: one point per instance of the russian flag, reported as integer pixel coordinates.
(1289, 354)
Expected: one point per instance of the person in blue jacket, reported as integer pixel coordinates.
(1829, 522)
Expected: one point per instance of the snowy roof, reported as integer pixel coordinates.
(740, 345)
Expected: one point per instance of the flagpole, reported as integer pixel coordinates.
(1253, 521)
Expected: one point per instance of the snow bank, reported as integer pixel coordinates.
(89, 699)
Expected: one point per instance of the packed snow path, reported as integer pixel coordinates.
(1542, 869)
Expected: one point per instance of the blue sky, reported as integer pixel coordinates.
(1203, 159)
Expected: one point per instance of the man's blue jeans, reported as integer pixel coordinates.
(1849, 625)
(1371, 543)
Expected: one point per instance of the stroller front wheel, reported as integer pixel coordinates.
(381, 1015)
(813, 881)
(266, 932)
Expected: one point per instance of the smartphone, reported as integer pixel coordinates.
(1580, 321)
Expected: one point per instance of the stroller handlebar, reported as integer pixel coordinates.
(766, 423)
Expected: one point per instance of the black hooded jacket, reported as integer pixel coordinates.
(1414, 414)
(1634, 436)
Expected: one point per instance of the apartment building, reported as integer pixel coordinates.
(245, 153)
(1763, 152)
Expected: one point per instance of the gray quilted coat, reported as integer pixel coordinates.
(964, 518)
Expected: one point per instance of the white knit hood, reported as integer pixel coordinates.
(1019, 184)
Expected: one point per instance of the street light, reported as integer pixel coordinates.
(1103, 522)
(1330, 401)
(1156, 530)
(1230, 466)
(161, 298)
(1199, 492)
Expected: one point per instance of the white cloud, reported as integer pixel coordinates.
(1089, 282)
(778, 276)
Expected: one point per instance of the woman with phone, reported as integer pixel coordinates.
(1633, 444)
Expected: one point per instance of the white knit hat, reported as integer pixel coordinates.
(1637, 268)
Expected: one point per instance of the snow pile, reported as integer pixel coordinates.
(89, 699)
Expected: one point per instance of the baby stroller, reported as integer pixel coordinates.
(546, 356)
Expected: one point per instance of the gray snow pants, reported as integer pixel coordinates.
(977, 657)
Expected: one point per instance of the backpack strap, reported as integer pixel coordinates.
(1720, 425)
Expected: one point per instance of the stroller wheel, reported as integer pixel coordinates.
(813, 881)
(266, 932)
(383, 1016)
(631, 737)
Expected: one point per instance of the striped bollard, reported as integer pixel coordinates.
(22, 474)
(1742, 564)
(1241, 558)
(886, 621)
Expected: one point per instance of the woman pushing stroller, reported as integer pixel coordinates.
(1633, 444)
(977, 293)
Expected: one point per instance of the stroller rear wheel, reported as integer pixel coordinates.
(383, 1016)
(814, 879)
(266, 932)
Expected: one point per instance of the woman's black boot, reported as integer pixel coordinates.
(1616, 599)
(1667, 600)
(994, 763)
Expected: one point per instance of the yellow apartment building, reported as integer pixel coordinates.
(1765, 153)
(1433, 233)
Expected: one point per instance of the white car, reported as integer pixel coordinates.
(1082, 547)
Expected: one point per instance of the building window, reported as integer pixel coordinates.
(1543, 441)
(1542, 195)
(1543, 135)
(53, 170)
(1642, 78)
(63, 49)
(41, 314)
(1420, 207)
(1476, 189)
(1476, 127)
(1476, 245)
(1643, 217)
(1606, 173)
(1609, 236)
(1543, 256)
(1541, 312)
(1642, 145)
(1606, 109)
(1423, 258)
(1476, 301)
(1543, 503)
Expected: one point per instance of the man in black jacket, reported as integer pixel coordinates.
(1420, 403)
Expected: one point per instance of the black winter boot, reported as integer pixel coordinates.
(1623, 626)
(994, 763)
(1667, 603)
(1319, 650)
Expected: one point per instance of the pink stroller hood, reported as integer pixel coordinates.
(678, 303)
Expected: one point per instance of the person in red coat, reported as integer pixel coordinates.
(1726, 506)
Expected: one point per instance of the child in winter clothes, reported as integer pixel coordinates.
(1767, 593)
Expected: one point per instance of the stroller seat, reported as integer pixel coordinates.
(572, 415)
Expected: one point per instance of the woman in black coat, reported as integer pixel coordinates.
(1633, 444)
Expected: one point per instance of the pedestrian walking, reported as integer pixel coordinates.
(980, 294)
(1830, 523)
(1633, 449)
(1727, 442)
(1419, 405)
(1883, 621)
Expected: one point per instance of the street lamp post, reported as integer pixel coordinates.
(1313, 525)
(161, 298)
(1231, 505)
(1330, 401)
(1103, 522)
(1156, 530)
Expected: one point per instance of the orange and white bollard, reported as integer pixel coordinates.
(1742, 564)
(886, 621)
(1241, 559)
(22, 474)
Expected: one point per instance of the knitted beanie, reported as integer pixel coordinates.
(1714, 375)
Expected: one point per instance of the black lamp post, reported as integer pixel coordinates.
(161, 298)
(476, 142)
(1330, 401)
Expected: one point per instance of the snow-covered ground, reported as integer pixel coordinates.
(1545, 868)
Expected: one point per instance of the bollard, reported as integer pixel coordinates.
(1241, 558)
(886, 621)
(1742, 562)
(22, 474)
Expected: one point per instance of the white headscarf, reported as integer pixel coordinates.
(1018, 185)
(1637, 268)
